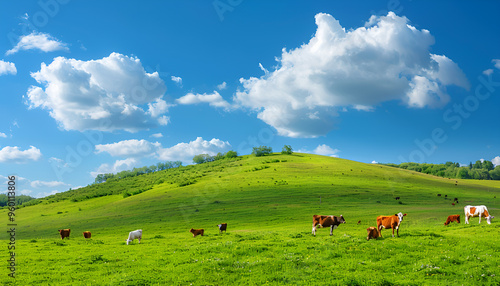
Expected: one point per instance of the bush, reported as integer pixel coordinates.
(287, 149)
(261, 151)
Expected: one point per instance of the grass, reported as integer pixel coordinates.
(268, 203)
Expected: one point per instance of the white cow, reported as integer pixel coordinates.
(134, 234)
(480, 211)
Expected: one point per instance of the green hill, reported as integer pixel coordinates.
(268, 203)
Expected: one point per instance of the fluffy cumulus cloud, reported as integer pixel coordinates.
(128, 148)
(51, 184)
(38, 41)
(214, 99)
(387, 59)
(186, 151)
(496, 161)
(222, 86)
(107, 94)
(118, 166)
(7, 68)
(3, 135)
(15, 155)
(177, 80)
(326, 150)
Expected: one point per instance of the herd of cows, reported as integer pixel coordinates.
(390, 222)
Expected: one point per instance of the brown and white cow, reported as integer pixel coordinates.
(196, 232)
(222, 227)
(87, 234)
(392, 221)
(64, 233)
(452, 218)
(480, 211)
(372, 232)
(326, 221)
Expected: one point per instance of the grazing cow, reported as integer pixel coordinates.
(439, 195)
(452, 218)
(397, 198)
(372, 232)
(64, 233)
(359, 221)
(133, 235)
(222, 227)
(196, 232)
(392, 221)
(326, 221)
(480, 211)
(87, 234)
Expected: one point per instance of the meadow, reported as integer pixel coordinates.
(268, 203)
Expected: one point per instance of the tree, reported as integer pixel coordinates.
(231, 154)
(463, 173)
(287, 149)
(495, 173)
(488, 165)
(262, 151)
(477, 165)
(201, 158)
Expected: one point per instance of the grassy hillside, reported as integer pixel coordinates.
(268, 203)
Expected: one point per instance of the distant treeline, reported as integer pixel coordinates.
(481, 170)
(204, 158)
(101, 178)
(19, 200)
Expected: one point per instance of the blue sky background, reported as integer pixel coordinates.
(326, 93)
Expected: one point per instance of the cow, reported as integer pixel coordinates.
(397, 198)
(372, 232)
(452, 218)
(87, 234)
(392, 221)
(133, 235)
(480, 211)
(222, 227)
(196, 232)
(64, 233)
(326, 221)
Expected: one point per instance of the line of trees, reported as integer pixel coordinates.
(21, 199)
(101, 178)
(481, 170)
(204, 158)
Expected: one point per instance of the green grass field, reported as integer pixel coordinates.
(268, 203)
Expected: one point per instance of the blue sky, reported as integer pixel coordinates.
(94, 87)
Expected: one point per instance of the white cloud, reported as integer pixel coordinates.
(108, 94)
(177, 80)
(386, 60)
(222, 86)
(128, 148)
(40, 41)
(326, 150)
(118, 166)
(496, 62)
(26, 192)
(186, 151)
(214, 99)
(157, 135)
(42, 184)
(14, 155)
(488, 72)
(374, 162)
(496, 161)
(158, 108)
(164, 120)
(7, 68)
(3, 135)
